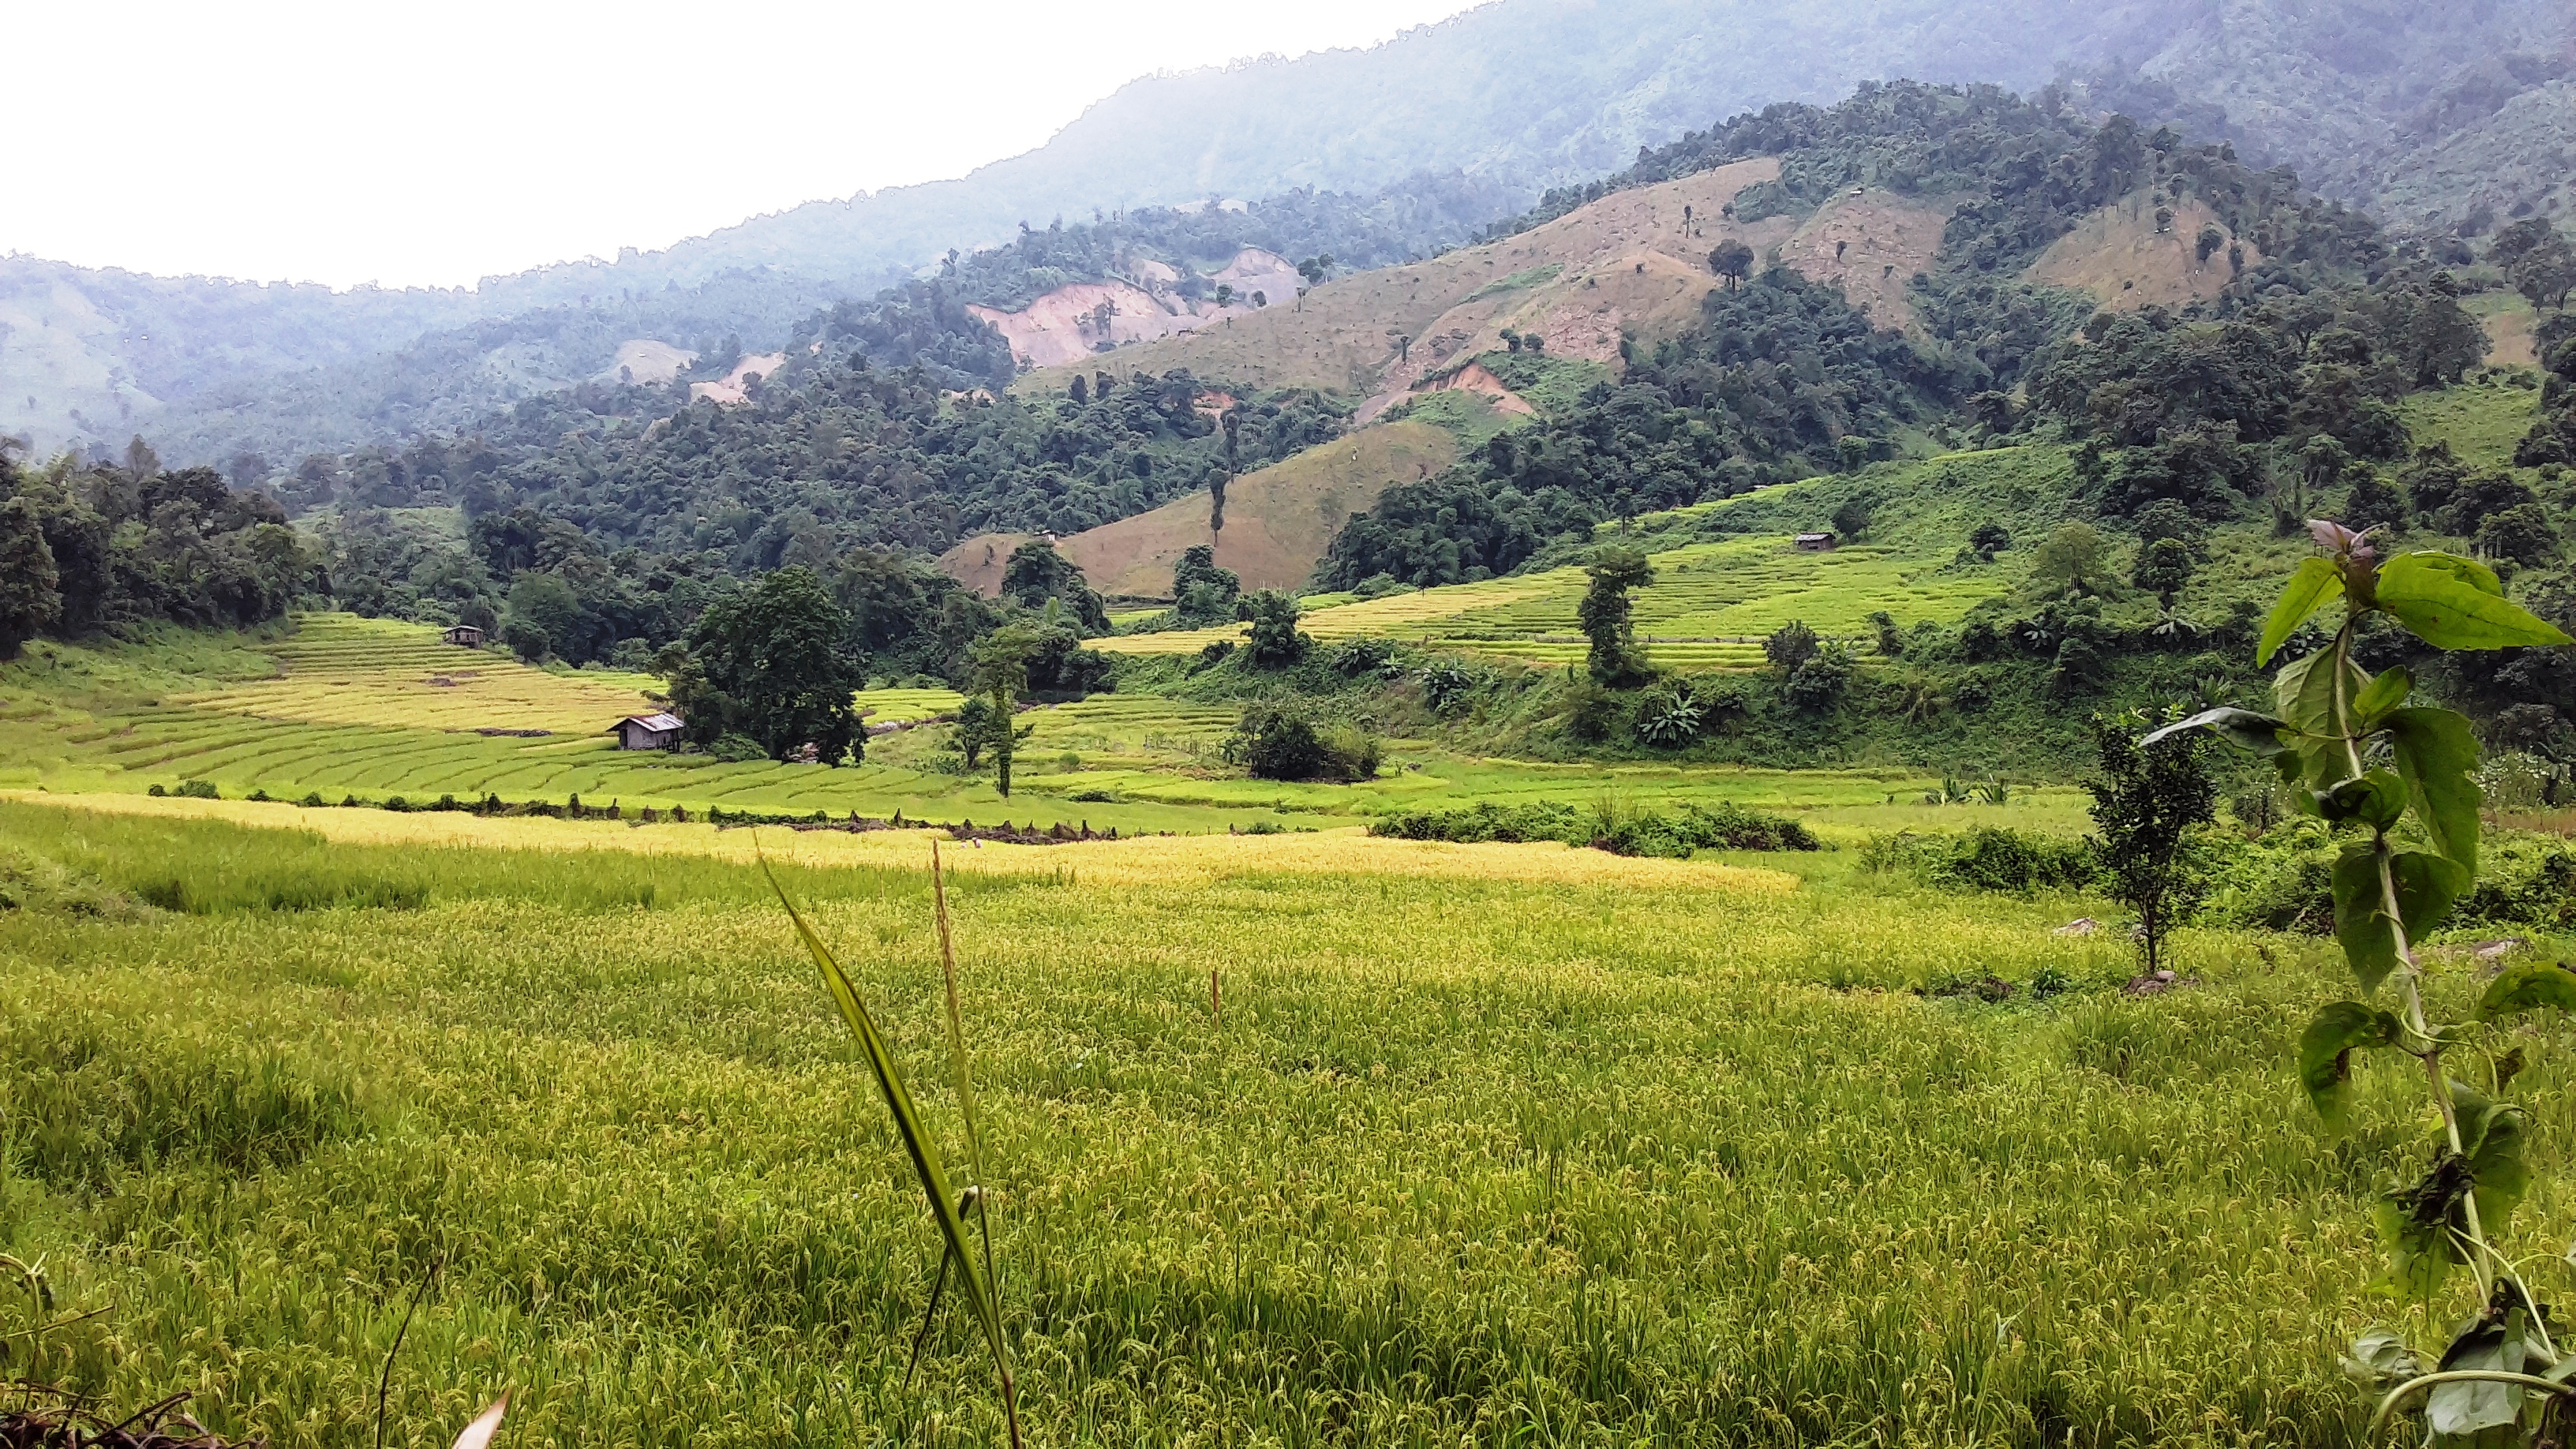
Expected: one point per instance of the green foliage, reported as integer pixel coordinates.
(1274, 640)
(1202, 593)
(1606, 826)
(30, 600)
(1613, 660)
(1986, 858)
(2332, 716)
(85, 548)
(2147, 797)
(1280, 743)
(768, 662)
(1036, 576)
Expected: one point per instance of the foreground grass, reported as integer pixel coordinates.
(1480, 1152)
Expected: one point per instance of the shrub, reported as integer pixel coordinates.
(1446, 685)
(1605, 827)
(198, 790)
(1987, 858)
(1670, 717)
(737, 749)
(1273, 743)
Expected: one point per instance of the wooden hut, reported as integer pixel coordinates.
(647, 732)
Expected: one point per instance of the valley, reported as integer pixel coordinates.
(1589, 728)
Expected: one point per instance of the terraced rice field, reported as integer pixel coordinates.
(1707, 610)
(342, 707)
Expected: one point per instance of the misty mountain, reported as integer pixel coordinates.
(2362, 98)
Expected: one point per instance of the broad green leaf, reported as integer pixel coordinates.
(2325, 1054)
(2384, 693)
(2437, 755)
(2467, 1407)
(2316, 583)
(2529, 986)
(2361, 920)
(2377, 799)
(2492, 1134)
(2427, 885)
(2415, 1227)
(2304, 693)
(2242, 728)
(2382, 1357)
(2451, 602)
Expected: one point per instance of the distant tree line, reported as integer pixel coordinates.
(92, 547)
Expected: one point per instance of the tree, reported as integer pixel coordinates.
(1274, 641)
(1789, 646)
(974, 728)
(2146, 799)
(769, 662)
(2070, 561)
(2163, 568)
(1036, 573)
(1991, 538)
(2372, 501)
(1852, 519)
(30, 597)
(1613, 661)
(1001, 664)
(544, 603)
(2522, 533)
(1202, 593)
(1732, 260)
(2543, 267)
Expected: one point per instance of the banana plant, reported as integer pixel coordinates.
(2354, 749)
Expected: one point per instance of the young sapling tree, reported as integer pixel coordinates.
(2396, 776)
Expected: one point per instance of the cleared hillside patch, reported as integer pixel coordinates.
(1278, 520)
(1627, 254)
(1872, 242)
(2119, 255)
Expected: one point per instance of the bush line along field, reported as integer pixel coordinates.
(1659, 1152)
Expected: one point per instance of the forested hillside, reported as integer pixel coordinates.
(2453, 117)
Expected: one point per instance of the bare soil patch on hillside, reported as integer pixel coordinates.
(1278, 520)
(2118, 255)
(1067, 326)
(734, 388)
(1626, 264)
(1872, 242)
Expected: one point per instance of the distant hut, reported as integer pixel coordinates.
(465, 635)
(647, 732)
(1815, 542)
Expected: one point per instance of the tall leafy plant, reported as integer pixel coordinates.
(2355, 750)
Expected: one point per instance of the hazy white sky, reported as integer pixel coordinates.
(415, 143)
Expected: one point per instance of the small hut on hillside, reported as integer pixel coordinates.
(462, 634)
(647, 732)
(1815, 542)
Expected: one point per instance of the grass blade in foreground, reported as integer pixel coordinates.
(916, 1142)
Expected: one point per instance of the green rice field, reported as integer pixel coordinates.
(341, 707)
(1473, 1145)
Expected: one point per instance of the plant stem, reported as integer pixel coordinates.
(2408, 977)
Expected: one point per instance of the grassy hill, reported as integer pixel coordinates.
(1278, 519)
(1623, 265)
